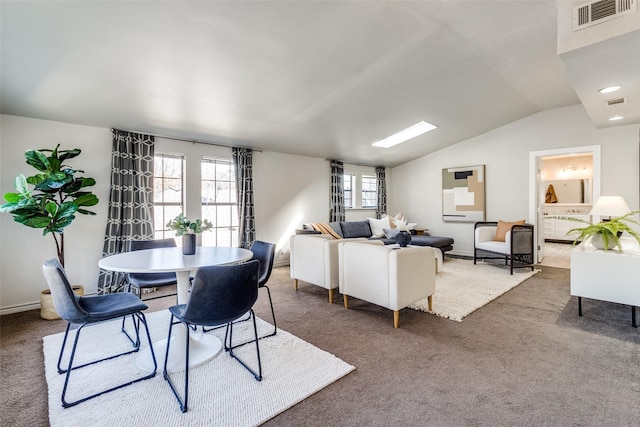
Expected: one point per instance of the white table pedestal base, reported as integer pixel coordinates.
(202, 348)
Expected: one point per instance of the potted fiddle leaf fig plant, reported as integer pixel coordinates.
(188, 230)
(606, 234)
(51, 198)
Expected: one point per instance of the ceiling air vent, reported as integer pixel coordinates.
(598, 11)
(615, 101)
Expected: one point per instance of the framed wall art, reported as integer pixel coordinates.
(463, 194)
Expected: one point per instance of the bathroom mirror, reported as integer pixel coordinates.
(573, 191)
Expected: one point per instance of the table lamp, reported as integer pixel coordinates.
(610, 206)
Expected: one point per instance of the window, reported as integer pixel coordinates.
(219, 202)
(349, 181)
(360, 188)
(369, 191)
(168, 194)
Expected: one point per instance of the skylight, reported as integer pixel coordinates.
(405, 135)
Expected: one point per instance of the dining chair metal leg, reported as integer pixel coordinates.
(258, 375)
(182, 403)
(71, 368)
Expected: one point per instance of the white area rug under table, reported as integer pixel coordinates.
(462, 287)
(221, 392)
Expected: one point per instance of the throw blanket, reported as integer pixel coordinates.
(325, 229)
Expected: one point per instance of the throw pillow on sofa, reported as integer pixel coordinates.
(378, 226)
(351, 229)
(504, 227)
(390, 233)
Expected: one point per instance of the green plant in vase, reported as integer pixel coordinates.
(606, 234)
(188, 230)
(57, 194)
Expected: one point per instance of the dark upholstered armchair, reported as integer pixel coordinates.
(516, 248)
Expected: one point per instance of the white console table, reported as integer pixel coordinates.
(607, 275)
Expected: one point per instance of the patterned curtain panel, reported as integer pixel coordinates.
(130, 201)
(242, 158)
(337, 192)
(381, 182)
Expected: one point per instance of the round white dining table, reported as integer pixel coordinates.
(202, 348)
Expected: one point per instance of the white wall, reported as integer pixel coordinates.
(288, 190)
(417, 186)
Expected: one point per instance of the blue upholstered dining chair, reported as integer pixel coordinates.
(265, 253)
(139, 281)
(219, 296)
(81, 311)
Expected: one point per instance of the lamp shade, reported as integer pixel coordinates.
(612, 206)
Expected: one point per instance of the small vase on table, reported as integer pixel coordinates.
(403, 238)
(188, 244)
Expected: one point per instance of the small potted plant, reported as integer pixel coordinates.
(188, 230)
(606, 234)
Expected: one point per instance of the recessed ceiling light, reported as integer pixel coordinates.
(611, 119)
(405, 135)
(609, 89)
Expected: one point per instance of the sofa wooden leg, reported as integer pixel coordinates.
(396, 318)
(330, 296)
(295, 284)
(430, 301)
(346, 301)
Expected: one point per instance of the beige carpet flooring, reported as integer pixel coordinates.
(526, 358)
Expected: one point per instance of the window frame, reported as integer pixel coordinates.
(232, 203)
(357, 173)
(160, 231)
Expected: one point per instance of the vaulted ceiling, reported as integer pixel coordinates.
(314, 78)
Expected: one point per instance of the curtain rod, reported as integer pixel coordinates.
(194, 141)
(356, 164)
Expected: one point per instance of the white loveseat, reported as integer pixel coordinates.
(314, 259)
(388, 277)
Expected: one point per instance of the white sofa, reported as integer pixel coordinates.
(314, 259)
(516, 249)
(388, 277)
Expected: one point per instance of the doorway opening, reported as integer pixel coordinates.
(562, 182)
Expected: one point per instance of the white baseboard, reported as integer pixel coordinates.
(19, 308)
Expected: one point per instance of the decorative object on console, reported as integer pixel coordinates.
(403, 236)
(188, 230)
(606, 234)
(463, 194)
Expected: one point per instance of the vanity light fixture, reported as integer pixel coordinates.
(609, 89)
(405, 135)
(614, 118)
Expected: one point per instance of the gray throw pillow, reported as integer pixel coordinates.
(390, 233)
(355, 229)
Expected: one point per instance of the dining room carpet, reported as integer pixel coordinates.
(221, 392)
